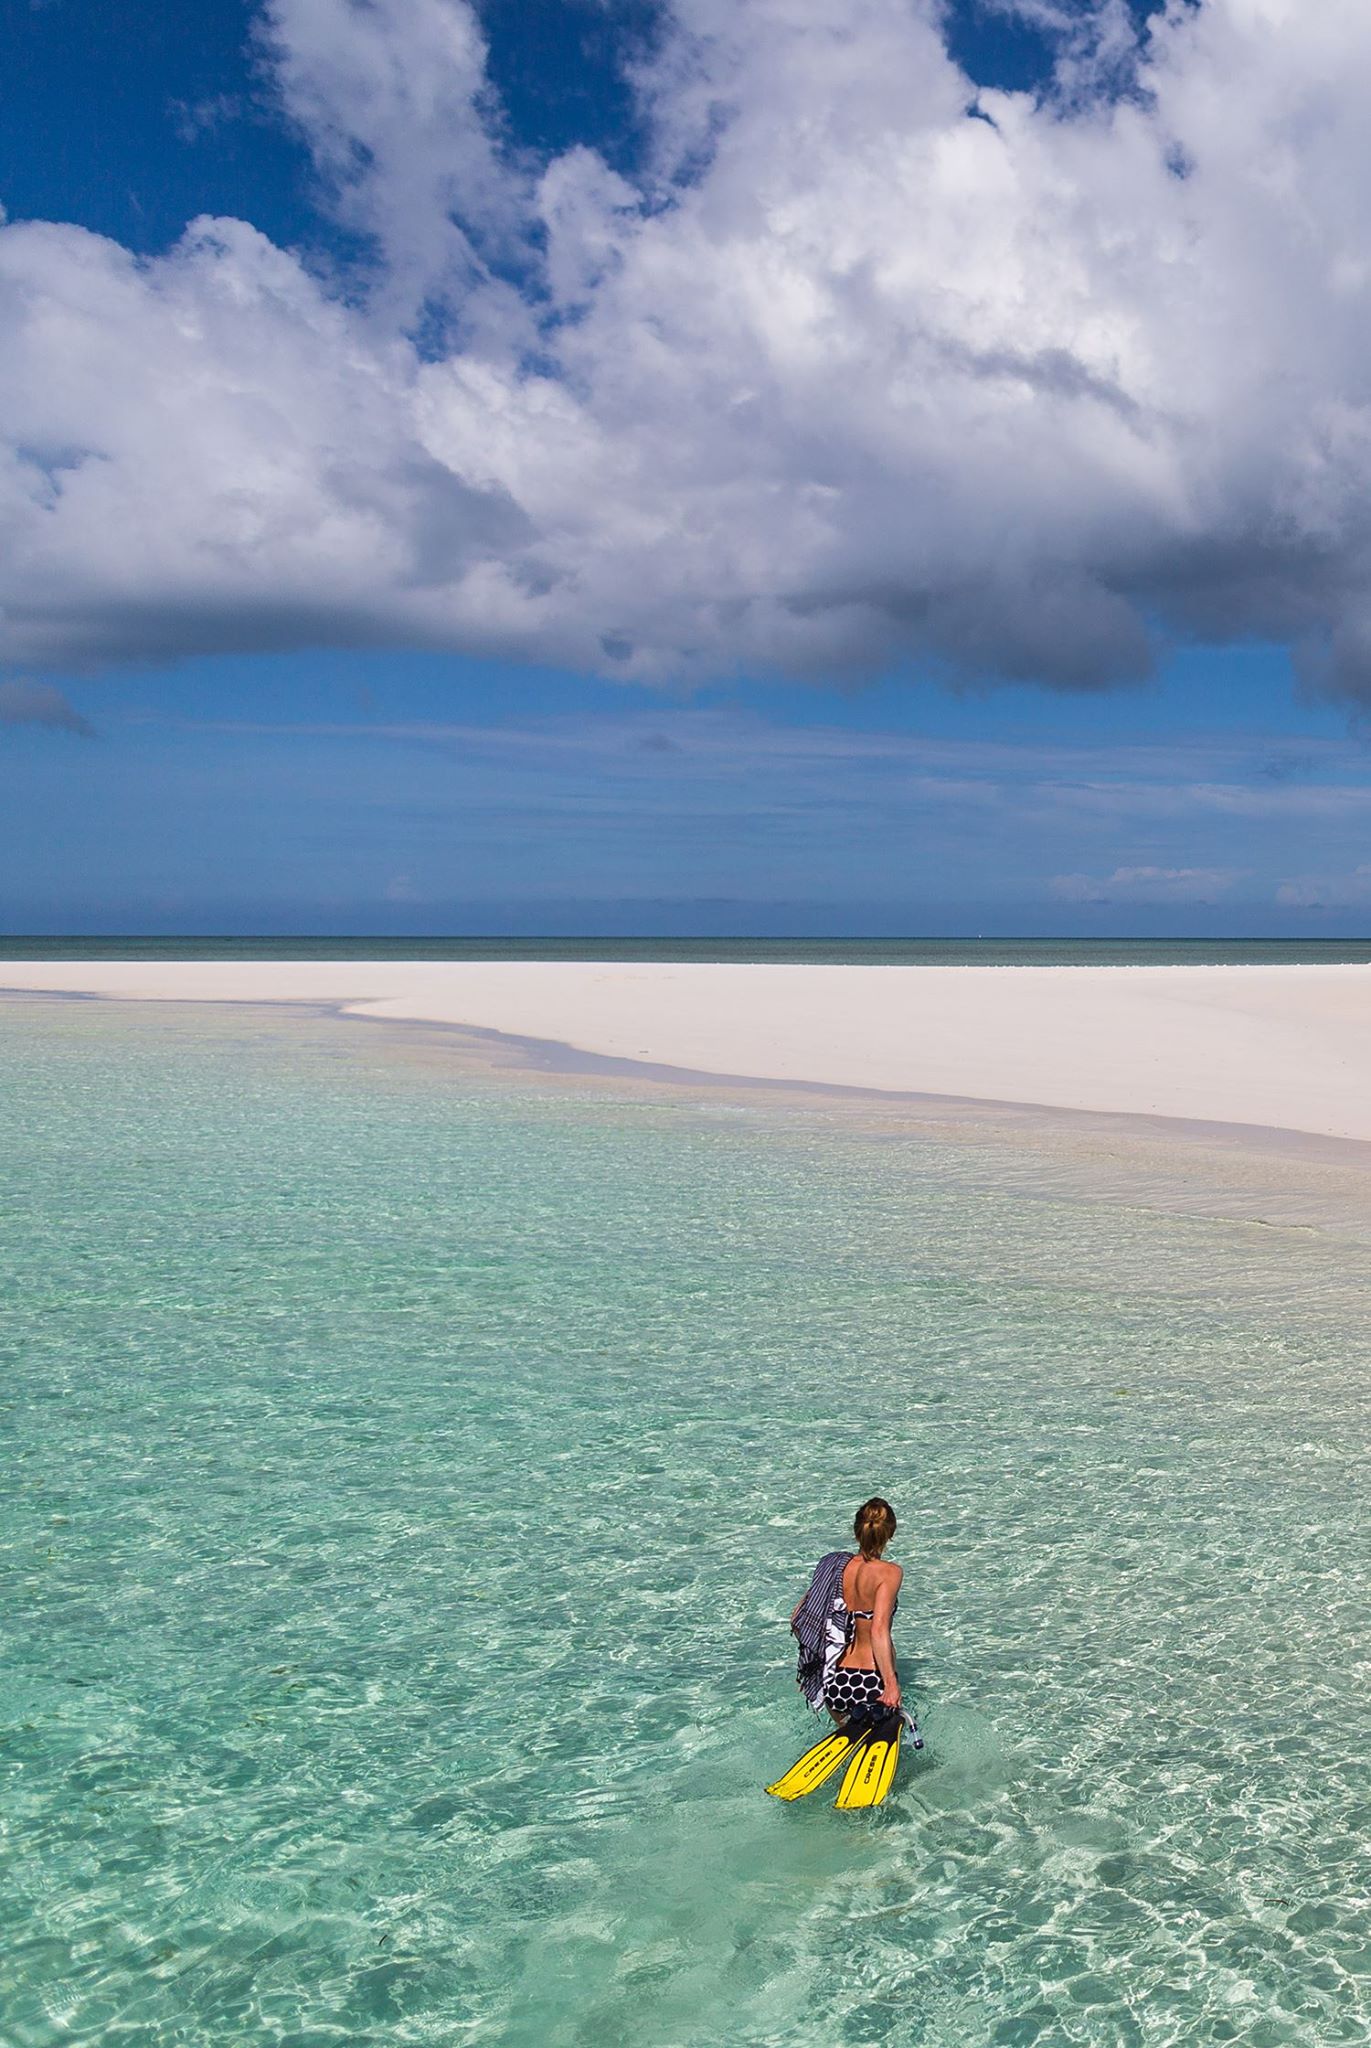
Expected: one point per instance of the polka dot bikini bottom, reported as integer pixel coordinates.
(846, 1691)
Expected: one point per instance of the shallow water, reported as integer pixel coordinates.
(409, 1480)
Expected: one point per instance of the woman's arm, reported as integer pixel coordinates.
(882, 1648)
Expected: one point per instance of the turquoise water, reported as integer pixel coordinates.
(1048, 952)
(408, 1480)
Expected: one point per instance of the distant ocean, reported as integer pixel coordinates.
(967, 952)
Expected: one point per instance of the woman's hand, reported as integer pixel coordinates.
(890, 1694)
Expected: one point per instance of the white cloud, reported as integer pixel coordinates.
(391, 97)
(1147, 885)
(1322, 802)
(1075, 784)
(1327, 892)
(856, 377)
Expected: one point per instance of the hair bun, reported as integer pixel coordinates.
(874, 1525)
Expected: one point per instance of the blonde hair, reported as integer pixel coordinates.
(873, 1526)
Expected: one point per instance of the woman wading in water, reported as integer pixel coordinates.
(868, 1594)
(847, 1665)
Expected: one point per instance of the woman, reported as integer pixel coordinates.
(847, 1658)
(864, 1676)
(847, 1665)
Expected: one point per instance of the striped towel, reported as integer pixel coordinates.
(818, 1650)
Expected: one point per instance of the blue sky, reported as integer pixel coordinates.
(943, 726)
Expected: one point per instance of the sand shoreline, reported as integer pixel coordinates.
(1248, 1174)
(1278, 1049)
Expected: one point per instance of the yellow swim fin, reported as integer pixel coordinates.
(818, 1764)
(871, 1772)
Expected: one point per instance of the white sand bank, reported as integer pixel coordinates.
(1284, 1047)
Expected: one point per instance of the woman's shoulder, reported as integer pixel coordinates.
(891, 1574)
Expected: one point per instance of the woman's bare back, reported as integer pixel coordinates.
(870, 1590)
